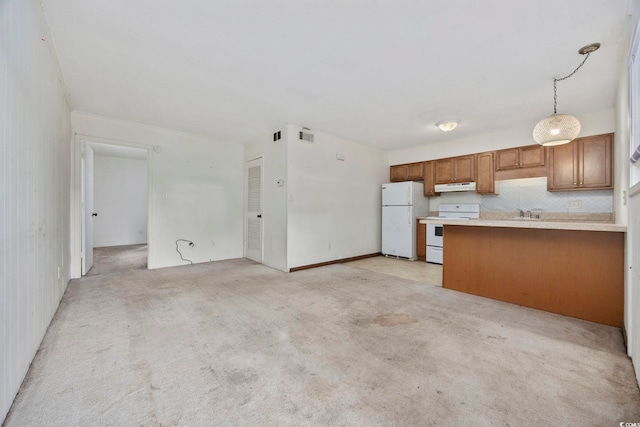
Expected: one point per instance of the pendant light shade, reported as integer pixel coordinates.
(560, 129)
(556, 129)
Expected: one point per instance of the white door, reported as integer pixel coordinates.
(87, 258)
(397, 231)
(253, 230)
(633, 296)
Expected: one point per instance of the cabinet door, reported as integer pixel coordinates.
(421, 242)
(531, 156)
(428, 174)
(507, 159)
(398, 173)
(595, 162)
(443, 171)
(464, 168)
(485, 183)
(562, 172)
(414, 171)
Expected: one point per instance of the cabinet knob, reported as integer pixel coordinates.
(580, 183)
(574, 183)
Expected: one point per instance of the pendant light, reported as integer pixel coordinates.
(560, 129)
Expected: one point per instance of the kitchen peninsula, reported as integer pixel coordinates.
(570, 268)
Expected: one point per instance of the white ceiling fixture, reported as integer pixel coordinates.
(447, 125)
(558, 129)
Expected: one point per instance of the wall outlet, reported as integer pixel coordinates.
(574, 204)
(59, 272)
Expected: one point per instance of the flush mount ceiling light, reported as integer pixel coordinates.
(561, 128)
(447, 125)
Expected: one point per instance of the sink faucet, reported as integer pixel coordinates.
(521, 213)
(529, 214)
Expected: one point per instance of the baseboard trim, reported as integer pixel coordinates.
(337, 261)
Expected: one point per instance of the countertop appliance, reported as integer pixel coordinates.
(402, 202)
(435, 232)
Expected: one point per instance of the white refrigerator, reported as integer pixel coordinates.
(402, 202)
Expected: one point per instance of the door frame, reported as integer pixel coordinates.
(76, 209)
(246, 207)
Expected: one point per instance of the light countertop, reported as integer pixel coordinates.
(533, 223)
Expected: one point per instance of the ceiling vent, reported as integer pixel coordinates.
(306, 135)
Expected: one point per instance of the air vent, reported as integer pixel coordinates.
(306, 135)
(277, 136)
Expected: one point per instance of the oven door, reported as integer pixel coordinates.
(434, 235)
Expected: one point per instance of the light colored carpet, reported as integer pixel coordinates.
(236, 343)
(111, 259)
(413, 270)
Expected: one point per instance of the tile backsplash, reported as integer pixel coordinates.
(531, 195)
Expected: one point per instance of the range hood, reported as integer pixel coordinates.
(455, 186)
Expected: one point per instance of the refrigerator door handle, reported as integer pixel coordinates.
(408, 215)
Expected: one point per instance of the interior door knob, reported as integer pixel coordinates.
(94, 214)
(259, 215)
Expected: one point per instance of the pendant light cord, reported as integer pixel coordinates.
(555, 90)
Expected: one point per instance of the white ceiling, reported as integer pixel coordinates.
(381, 73)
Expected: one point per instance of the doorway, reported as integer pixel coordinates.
(115, 194)
(254, 231)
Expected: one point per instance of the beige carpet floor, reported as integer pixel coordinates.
(236, 343)
(112, 259)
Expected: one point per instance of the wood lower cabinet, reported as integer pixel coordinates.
(569, 272)
(455, 169)
(428, 175)
(583, 164)
(421, 241)
(485, 181)
(406, 172)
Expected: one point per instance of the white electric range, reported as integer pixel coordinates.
(435, 232)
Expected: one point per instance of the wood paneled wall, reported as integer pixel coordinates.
(34, 181)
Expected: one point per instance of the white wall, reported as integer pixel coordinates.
(628, 208)
(334, 205)
(120, 200)
(592, 124)
(328, 209)
(34, 181)
(196, 186)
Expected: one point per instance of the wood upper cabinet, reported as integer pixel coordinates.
(521, 157)
(428, 175)
(414, 171)
(583, 164)
(455, 169)
(485, 180)
(406, 172)
(398, 173)
(421, 242)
